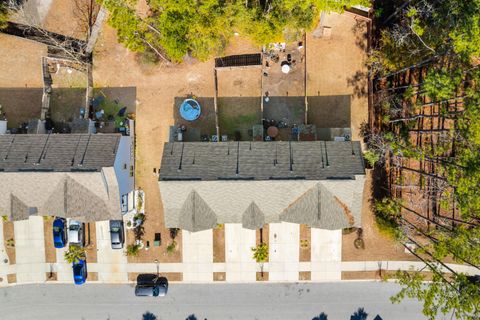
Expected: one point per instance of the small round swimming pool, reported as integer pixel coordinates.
(190, 109)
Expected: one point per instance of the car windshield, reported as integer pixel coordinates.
(77, 269)
(156, 291)
(115, 229)
(56, 229)
(74, 227)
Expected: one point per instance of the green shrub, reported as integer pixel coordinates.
(133, 250)
(260, 252)
(387, 212)
(171, 247)
(371, 157)
(74, 254)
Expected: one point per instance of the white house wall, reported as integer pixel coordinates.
(123, 161)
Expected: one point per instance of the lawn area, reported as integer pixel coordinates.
(237, 116)
(65, 104)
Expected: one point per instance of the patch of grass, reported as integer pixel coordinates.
(387, 227)
(110, 108)
(231, 124)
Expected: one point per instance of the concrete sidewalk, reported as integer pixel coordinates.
(304, 266)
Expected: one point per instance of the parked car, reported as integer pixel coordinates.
(75, 232)
(151, 285)
(79, 271)
(59, 232)
(117, 234)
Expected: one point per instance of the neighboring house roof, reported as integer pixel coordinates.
(87, 196)
(65, 175)
(310, 160)
(57, 152)
(206, 191)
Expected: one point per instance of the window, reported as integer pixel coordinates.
(124, 203)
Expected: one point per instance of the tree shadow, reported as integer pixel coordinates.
(359, 83)
(360, 31)
(149, 316)
(360, 314)
(321, 316)
(191, 317)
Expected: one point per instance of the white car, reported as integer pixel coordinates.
(75, 233)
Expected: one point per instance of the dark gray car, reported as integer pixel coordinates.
(151, 285)
(117, 234)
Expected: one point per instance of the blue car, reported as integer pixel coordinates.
(59, 233)
(80, 271)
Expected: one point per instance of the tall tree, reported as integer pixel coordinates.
(203, 28)
(4, 13)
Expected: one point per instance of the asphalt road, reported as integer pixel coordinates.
(214, 301)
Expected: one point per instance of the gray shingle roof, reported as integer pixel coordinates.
(57, 152)
(88, 196)
(309, 160)
(196, 215)
(326, 204)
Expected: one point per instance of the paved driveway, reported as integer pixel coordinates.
(197, 256)
(112, 263)
(284, 251)
(29, 249)
(326, 254)
(239, 264)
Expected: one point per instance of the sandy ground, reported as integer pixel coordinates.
(50, 250)
(336, 74)
(239, 82)
(377, 245)
(67, 18)
(21, 63)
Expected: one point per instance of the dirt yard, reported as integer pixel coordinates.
(91, 242)
(219, 244)
(20, 79)
(336, 74)
(50, 250)
(239, 101)
(68, 17)
(305, 244)
(21, 63)
(377, 245)
(8, 238)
